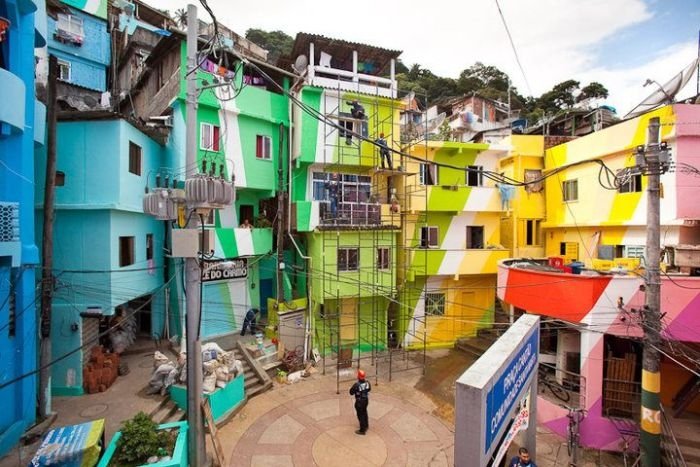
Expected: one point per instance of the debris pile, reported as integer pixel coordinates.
(101, 370)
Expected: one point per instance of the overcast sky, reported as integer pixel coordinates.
(619, 43)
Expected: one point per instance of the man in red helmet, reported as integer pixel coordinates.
(361, 390)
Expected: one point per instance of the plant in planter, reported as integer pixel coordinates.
(140, 440)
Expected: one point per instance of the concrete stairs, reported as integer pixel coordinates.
(690, 450)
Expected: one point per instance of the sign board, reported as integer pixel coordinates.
(488, 394)
(220, 270)
(520, 423)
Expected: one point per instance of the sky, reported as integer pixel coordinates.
(619, 43)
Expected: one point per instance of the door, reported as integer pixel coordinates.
(246, 212)
(267, 290)
(291, 329)
(348, 320)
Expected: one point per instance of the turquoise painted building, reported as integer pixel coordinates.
(79, 39)
(22, 131)
(108, 255)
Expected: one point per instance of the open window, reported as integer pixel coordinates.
(428, 174)
(475, 237)
(429, 237)
(475, 175)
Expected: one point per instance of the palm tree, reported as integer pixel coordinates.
(181, 17)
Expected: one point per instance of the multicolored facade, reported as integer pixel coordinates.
(450, 242)
(244, 132)
(603, 229)
(353, 253)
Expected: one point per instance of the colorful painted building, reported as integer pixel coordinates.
(592, 330)
(450, 242)
(22, 132)
(341, 191)
(108, 254)
(242, 132)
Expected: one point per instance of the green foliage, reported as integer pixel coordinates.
(278, 43)
(593, 90)
(141, 439)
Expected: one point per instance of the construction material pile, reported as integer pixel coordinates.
(101, 370)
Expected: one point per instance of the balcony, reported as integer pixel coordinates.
(310, 215)
(598, 298)
(12, 108)
(454, 198)
(233, 243)
(429, 261)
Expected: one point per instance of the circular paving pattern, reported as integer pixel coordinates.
(319, 429)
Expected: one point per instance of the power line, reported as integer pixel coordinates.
(512, 44)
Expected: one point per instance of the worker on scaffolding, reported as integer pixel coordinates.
(358, 112)
(383, 151)
(333, 187)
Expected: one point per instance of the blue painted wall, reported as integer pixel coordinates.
(90, 60)
(100, 202)
(18, 350)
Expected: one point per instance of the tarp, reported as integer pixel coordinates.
(72, 446)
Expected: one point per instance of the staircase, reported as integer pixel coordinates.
(690, 449)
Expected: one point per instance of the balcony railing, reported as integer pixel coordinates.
(358, 214)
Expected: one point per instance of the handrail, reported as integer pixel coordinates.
(676, 456)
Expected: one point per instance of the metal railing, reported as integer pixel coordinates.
(671, 454)
(351, 214)
(567, 387)
(621, 398)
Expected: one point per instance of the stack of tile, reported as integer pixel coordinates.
(101, 370)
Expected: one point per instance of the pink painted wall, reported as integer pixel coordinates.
(687, 151)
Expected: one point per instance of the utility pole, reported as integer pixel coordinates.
(195, 433)
(47, 283)
(280, 217)
(654, 161)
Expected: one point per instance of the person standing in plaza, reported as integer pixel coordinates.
(361, 390)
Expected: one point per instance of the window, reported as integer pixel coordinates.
(435, 304)
(126, 251)
(532, 232)
(428, 174)
(634, 251)
(570, 190)
(631, 184)
(70, 25)
(348, 259)
(209, 137)
(63, 70)
(60, 178)
(383, 258)
(149, 246)
(475, 237)
(569, 250)
(262, 147)
(429, 237)
(134, 158)
(351, 188)
(475, 175)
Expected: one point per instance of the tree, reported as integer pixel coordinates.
(181, 17)
(560, 97)
(278, 43)
(593, 90)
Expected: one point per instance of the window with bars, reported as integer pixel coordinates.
(428, 174)
(134, 158)
(348, 259)
(263, 147)
(631, 184)
(435, 304)
(351, 188)
(126, 251)
(429, 237)
(570, 190)
(63, 70)
(71, 25)
(475, 175)
(209, 137)
(383, 258)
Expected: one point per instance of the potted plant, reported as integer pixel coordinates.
(141, 441)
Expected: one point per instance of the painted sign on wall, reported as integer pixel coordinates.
(220, 270)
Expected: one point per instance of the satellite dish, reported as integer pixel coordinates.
(300, 64)
(666, 93)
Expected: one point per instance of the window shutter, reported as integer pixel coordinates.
(215, 141)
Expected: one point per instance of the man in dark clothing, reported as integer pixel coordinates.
(361, 391)
(357, 112)
(383, 150)
(522, 459)
(249, 321)
(333, 188)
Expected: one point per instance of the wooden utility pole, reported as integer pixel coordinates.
(280, 216)
(47, 245)
(650, 426)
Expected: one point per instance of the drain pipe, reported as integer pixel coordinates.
(290, 189)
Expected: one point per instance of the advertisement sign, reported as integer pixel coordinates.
(220, 270)
(520, 423)
(505, 391)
